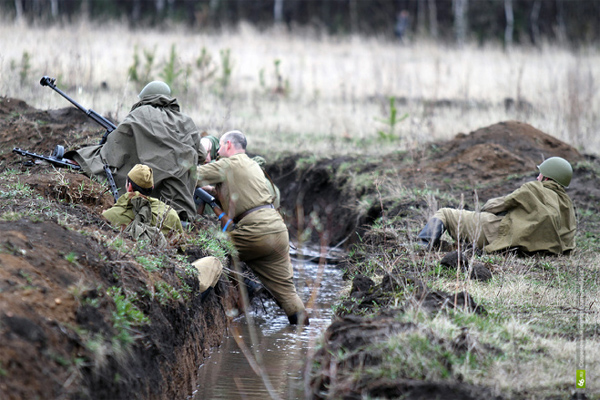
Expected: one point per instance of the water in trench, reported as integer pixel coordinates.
(271, 344)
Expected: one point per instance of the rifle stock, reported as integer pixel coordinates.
(57, 162)
(202, 196)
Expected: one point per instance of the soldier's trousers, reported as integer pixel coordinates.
(479, 228)
(268, 257)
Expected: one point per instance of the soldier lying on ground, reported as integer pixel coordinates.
(155, 133)
(539, 216)
(260, 235)
(139, 184)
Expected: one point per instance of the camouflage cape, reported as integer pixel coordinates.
(539, 217)
(157, 134)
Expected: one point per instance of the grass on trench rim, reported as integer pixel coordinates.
(542, 320)
(542, 313)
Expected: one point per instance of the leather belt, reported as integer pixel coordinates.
(242, 215)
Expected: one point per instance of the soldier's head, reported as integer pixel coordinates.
(211, 144)
(558, 169)
(140, 179)
(231, 143)
(154, 88)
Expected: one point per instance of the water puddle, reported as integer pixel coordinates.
(273, 347)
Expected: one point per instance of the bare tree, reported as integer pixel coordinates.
(353, 16)
(433, 25)
(510, 23)
(278, 11)
(54, 8)
(85, 9)
(421, 17)
(460, 8)
(19, 10)
(561, 28)
(534, 16)
(136, 11)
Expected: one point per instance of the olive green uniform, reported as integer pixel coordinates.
(157, 134)
(539, 216)
(122, 213)
(261, 237)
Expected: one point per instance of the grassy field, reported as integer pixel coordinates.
(309, 92)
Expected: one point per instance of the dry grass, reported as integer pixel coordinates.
(338, 87)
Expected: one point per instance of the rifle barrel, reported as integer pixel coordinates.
(50, 82)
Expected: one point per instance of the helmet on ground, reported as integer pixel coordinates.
(558, 169)
(154, 88)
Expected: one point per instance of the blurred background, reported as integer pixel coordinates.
(318, 76)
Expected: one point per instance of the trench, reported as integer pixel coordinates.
(278, 349)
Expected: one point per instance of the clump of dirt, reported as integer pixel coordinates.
(73, 188)
(366, 296)
(351, 343)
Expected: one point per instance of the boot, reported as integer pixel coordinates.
(253, 288)
(299, 318)
(430, 236)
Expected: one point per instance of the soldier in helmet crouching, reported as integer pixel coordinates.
(537, 217)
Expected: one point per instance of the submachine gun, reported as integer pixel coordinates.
(201, 197)
(57, 157)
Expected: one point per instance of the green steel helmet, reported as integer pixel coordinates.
(558, 169)
(154, 88)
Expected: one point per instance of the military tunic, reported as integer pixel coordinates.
(261, 237)
(121, 214)
(157, 134)
(539, 216)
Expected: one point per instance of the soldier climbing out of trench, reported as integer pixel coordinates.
(260, 234)
(537, 217)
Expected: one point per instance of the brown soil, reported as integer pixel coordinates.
(55, 344)
(58, 337)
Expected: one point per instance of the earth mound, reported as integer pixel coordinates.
(495, 151)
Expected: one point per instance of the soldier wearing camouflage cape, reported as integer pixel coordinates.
(539, 216)
(155, 133)
(260, 235)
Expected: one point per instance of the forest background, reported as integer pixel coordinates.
(318, 76)
(521, 21)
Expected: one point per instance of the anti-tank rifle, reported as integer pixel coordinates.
(57, 157)
(106, 124)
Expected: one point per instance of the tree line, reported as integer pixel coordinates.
(507, 21)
